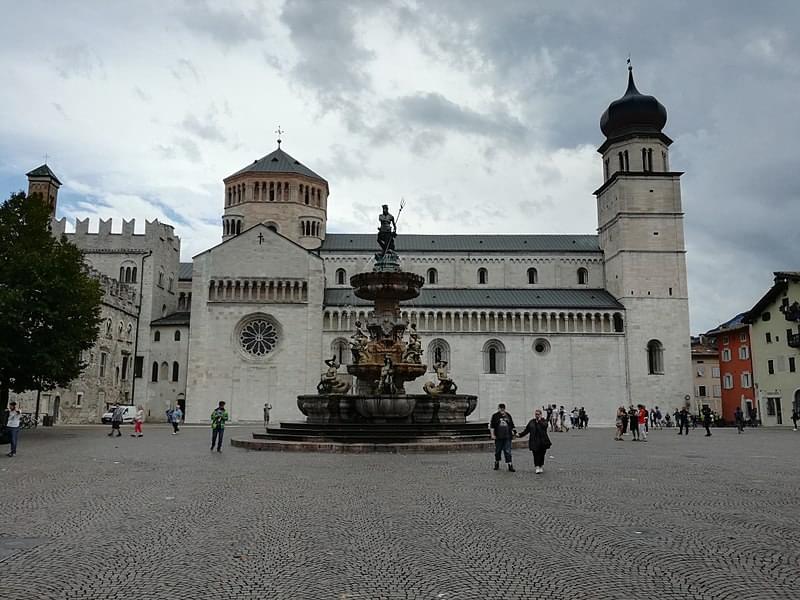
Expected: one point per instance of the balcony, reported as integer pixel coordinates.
(793, 340)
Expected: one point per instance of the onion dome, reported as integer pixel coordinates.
(633, 113)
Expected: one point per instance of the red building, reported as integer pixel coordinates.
(736, 367)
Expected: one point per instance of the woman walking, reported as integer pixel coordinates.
(621, 418)
(138, 419)
(539, 442)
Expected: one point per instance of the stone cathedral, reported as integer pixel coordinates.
(591, 320)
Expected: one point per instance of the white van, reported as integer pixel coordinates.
(127, 417)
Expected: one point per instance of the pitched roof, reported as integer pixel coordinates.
(491, 298)
(278, 162)
(43, 171)
(782, 279)
(367, 242)
(185, 271)
(176, 318)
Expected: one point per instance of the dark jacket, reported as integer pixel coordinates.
(539, 439)
(493, 425)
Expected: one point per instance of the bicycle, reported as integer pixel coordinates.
(28, 422)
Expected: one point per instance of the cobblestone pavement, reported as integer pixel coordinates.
(86, 516)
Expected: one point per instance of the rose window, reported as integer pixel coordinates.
(258, 337)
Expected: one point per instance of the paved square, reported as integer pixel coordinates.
(86, 516)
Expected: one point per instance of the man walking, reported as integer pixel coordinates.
(502, 430)
(683, 421)
(633, 422)
(218, 419)
(117, 414)
(175, 416)
(795, 418)
(707, 419)
(267, 408)
(642, 423)
(13, 420)
(738, 418)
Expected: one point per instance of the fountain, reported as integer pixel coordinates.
(383, 362)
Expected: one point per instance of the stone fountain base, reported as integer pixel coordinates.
(399, 408)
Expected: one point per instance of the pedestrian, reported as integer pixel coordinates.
(795, 419)
(584, 418)
(738, 418)
(138, 419)
(621, 417)
(683, 421)
(707, 420)
(502, 430)
(562, 420)
(549, 411)
(659, 422)
(117, 414)
(175, 416)
(267, 408)
(13, 420)
(539, 442)
(633, 422)
(642, 423)
(218, 419)
(574, 417)
(677, 416)
(624, 420)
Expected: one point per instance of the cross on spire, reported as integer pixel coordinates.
(280, 132)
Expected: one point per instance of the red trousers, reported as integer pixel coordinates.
(137, 427)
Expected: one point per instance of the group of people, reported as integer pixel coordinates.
(219, 417)
(503, 431)
(639, 420)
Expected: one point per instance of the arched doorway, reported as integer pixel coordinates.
(181, 401)
(796, 406)
(56, 409)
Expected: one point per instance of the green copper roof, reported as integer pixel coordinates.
(43, 171)
(491, 298)
(278, 162)
(366, 242)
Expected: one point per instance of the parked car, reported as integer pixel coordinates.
(127, 417)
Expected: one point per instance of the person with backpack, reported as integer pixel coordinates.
(502, 430)
(174, 416)
(218, 420)
(117, 415)
(539, 442)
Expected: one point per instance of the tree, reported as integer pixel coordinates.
(49, 304)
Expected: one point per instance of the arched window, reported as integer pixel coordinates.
(438, 350)
(133, 275)
(177, 335)
(154, 373)
(494, 357)
(341, 276)
(238, 227)
(533, 276)
(655, 357)
(122, 273)
(161, 279)
(583, 276)
(618, 324)
(341, 350)
(433, 277)
(175, 371)
(157, 336)
(483, 276)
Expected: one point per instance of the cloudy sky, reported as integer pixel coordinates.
(482, 115)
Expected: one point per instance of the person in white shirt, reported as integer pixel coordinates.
(138, 419)
(13, 418)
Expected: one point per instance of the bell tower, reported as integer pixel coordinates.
(281, 192)
(43, 181)
(640, 227)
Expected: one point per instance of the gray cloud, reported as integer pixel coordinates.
(227, 26)
(206, 128)
(190, 149)
(184, 69)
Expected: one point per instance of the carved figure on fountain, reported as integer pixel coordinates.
(413, 351)
(445, 385)
(331, 382)
(358, 344)
(385, 384)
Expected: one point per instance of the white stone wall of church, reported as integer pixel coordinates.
(665, 320)
(218, 370)
(579, 370)
(165, 392)
(504, 271)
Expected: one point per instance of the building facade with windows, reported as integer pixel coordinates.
(737, 378)
(774, 329)
(587, 320)
(706, 374)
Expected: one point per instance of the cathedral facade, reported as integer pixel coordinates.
(594, 321)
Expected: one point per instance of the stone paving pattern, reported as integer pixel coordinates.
(86, 516)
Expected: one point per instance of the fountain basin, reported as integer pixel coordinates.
(370, 408)
(383, 285)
